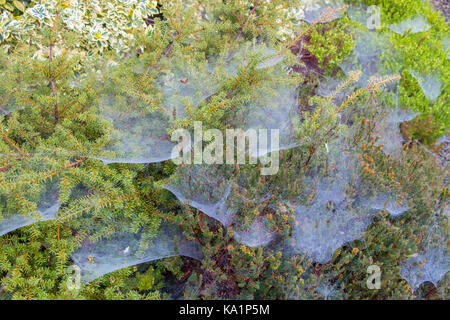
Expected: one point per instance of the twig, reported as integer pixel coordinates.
(179, 33)
(373, 86)
(241, 32)
(168, 50)
(52, 83)
(73, 164)
(247, 21)
(12, 144)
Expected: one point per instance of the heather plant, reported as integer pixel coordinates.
(93, 207)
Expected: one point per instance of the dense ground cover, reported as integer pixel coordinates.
(95, 205)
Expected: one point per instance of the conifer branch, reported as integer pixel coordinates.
(247, 21)
(52, 82)
(53, 173)
(352, 78)
(12, 144)
(169, 48)
(241, 32)
(374, 85)
(73, 164)
(180, 32)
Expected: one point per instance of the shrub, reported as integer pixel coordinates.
(78, 114)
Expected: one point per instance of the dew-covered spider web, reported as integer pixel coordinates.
(46, 198)
(9, 90)
(314, 9)
(141, 122)
(257, 235)
(432, 263)
(222, 194)
(30, 193)
(430, 85)
(205, 188)
(372, 51)
(137, 136)
(388, 130)
(128, 249)
(415, 24)
(446, 45)
(330, 204)
(329, 214)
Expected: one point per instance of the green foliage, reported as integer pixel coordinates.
(425, 52)
(14, 6)
(102, 25)
(331, 43)
(51, 84)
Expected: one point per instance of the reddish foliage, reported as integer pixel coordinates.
(309, 61)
